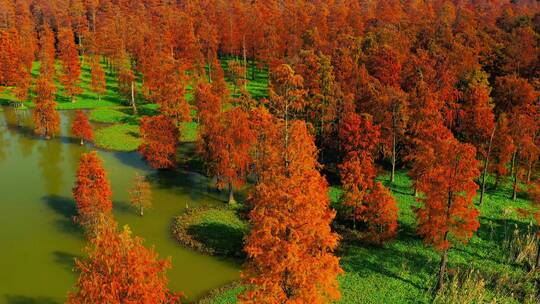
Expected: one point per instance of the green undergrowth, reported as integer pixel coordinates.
(403, 270)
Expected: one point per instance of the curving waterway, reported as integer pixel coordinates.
(38, 240)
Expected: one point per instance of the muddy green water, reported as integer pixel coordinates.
(38, 240)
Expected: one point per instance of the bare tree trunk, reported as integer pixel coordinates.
(392, 175)
(514, 189)
(133, 105)
(82, 141)
(141, 210)
(497, 181)
(209, 70)
(245, 61)
(231, 194)
(513, 162)
(538, 255)
(442, 271)
(529, 172)
(253, 65)
(486, 163)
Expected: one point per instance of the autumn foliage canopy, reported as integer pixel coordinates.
(160, 138)
(92, 192)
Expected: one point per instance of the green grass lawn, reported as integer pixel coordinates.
(118, 137)
(403, 270)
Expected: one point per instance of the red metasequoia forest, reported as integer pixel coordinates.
(288, 100)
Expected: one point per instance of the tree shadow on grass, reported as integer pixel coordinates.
(65, 207)
(15, 299)
(65, 259)
(497, 230)
(388, 263)
(124, 207)
(221, 239)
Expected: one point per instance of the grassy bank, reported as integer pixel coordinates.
(403, 271)
(214, 231)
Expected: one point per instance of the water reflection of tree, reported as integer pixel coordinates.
(50, 161)
(4, 143)
(19, 123)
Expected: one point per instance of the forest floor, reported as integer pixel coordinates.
(404, 270)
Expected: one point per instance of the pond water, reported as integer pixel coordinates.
(38, 240)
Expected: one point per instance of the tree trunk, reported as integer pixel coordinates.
(392, 175)
(354, 216)
(513, 162)
(141, 210)
(529, 172)
(442, 271)
(82, 141)
(231, 194)
(133, 105)
(497, 181)
(209, 70)
(514, 189)
(538, 254)
(486, 163)
(245, 61)
(253, 75)
(415, 193)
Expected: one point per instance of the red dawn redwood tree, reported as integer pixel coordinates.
(234, 150)
(46, 118)
(160, 137)
(371, 202)
(360, 138)
(92, 191)
(524, 130)
(140, 194)
(381, 214)
(97, 77)
(503, 149)
(477, 124)
(9, 59)
(209, 108)
(126, 86)
(81, 127)
(290, 246)
(47, 53)
(264, 125)
(447, 213)
(71, 65)
(119, 269)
